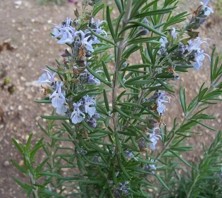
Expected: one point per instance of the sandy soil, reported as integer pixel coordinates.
(25, 47)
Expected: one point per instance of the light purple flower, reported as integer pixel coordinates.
(163, 45)
(206, 9)
(93, 120)
(160, 101)
(77, 115)
(87, 43)
(64, 32)
(83, 39)
(96, 26)
(199, 57)
(46, 78)
(61, 110)
(163, 42)
(58, 99)
(123, 188)
(89, 105)
(153, 137)
(173, 33)
(150, 167)
(86, 77)
(196, 53)
(129, 154)
(195, 44)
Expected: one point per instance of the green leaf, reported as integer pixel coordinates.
(99, 77)
(54, 117)
(106, 71)
(97, 8)
(119, 5)
(152, 29)
(106, 100)
(130, 50)
(175, 19)
(46, 101)
(162, 182)
(19, 147)
(109, 22)
(22, 169)
(28, 144)
(135, 79)
(28, 188)
(180, 158)
(102, 48)
(143, 40)
(183, 99)
(155, 12)
(101, 37)
(36, 148)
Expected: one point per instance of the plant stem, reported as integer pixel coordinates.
(35, 190)
(120, 45)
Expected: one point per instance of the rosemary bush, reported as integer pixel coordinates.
(106, 136)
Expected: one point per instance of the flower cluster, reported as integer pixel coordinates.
(150, 168)
(85, 110)
(200, 15)
(86, 77)
(81, 42)
(188, 50)
(122, 190)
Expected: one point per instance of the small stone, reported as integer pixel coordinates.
(6, 163)
(21, 163)
(22, 78)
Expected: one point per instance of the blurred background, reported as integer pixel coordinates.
(26, 47)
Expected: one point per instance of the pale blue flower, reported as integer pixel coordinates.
(151, 168)
(96, 26)
(196, 54)
(195, 44)
(163, 45)
(206, 10)
(93, 120)
(83, 40)
(129, 154)
(160, 101)
(47, 77)
(86, 77)
(77, 115)
(58, 99)
(64, 32)
(154, 138)
(173, 33)
(199, 57)
(89, 105)
(122, 190)
(62, 109)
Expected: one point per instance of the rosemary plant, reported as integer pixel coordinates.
(109, 92)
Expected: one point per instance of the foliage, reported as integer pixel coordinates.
(106, 136)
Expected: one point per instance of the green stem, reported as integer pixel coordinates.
(33, 182)
(120, 45)
(193, 185)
